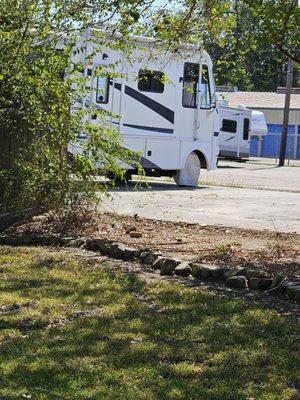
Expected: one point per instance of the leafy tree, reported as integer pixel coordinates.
(249, 41)
(37, 88)
(243, 56)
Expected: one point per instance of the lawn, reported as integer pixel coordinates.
(72, 330)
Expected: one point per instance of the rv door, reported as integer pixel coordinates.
(207, 113)
(229, 134)
(196, 119)
(206, 110)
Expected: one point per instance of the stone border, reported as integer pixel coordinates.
(236, 277)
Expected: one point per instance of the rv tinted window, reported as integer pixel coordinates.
(228, 125)
(205, 96)
(102, 93)
(189, 88)
(151, 81)
(246, 129)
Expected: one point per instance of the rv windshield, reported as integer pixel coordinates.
(205, 95)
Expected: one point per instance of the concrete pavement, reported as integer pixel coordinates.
(262, 174)
(233, 207)
(254, 195)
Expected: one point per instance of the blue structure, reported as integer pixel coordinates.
(270, 145)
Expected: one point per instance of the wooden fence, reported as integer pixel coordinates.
(12, 140)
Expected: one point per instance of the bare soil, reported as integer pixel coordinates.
(273, 251)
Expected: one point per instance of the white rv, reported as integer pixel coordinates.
(164, 106)
(237, 126)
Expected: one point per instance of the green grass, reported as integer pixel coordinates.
(139, 341)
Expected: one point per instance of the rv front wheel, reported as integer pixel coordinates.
(189, 175)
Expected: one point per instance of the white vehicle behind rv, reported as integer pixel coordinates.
(237, 126)
(164, 106)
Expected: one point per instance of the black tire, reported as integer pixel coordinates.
(117, 179)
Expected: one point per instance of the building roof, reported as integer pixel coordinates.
(260, 99)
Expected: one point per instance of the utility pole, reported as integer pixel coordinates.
(285, 125)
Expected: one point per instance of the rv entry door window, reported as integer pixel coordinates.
(102, 93)
(229, 125)
(189, 88)
(205, 95)
(246, 129)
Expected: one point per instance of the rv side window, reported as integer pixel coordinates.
(151, 81)
(246, 129)
(228, 125)
(205, 96)
(189, 88)
(102, 93)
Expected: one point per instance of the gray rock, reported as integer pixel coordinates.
(239, 282)
(9, 218)
(236, 271)
(196, 268)
(52, 240)
(79, 242)
(65, 241)
(211, 272)
(293, 292)
(45, 240)
(260, 283)
(157, 263)
(113, 250)
(148, 257)
(129, 253)
(183, 269)
(278, 280)
(256, 273)
(3, 239)
(97, 244)
(289, 284)
(142, 250)
(120, 251)
(144, 255)
(205, 271)
(38, 239)
(13, 240)
(166, 265)
(284, 286)
(28, 238)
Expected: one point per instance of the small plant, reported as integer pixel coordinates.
(225, 252)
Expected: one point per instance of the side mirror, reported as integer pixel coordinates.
(215, 100)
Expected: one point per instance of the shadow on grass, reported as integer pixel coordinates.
(151, 341)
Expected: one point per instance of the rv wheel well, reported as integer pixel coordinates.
(201, 158)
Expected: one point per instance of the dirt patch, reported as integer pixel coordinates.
(272, 251)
